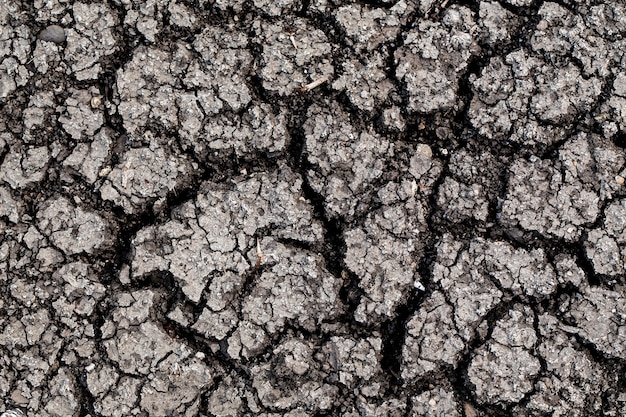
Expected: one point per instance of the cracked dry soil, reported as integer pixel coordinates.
(312, 208)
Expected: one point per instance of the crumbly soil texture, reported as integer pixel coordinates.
(312, 208)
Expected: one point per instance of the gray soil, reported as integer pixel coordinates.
(312, 208)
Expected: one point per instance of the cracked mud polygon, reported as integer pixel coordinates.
(312, 208)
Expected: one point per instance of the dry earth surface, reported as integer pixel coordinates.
(312, 208)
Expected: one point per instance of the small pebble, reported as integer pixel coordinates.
(424, 151)
(95, 102)
(104, 172)
(53, 33)
(619, 179)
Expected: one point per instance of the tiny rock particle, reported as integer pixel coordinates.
(53, 33)
(95, 102)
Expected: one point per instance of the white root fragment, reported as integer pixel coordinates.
(259, 253)
(314, 84)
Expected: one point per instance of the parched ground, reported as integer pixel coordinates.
(312, 208)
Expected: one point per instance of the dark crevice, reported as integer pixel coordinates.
(86, 399)
(459, 377)
(394, 330)
(620, 140)
(334, 245)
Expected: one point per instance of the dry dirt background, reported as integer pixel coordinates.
(312, 208)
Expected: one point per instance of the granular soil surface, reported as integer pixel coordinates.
(312, 208)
